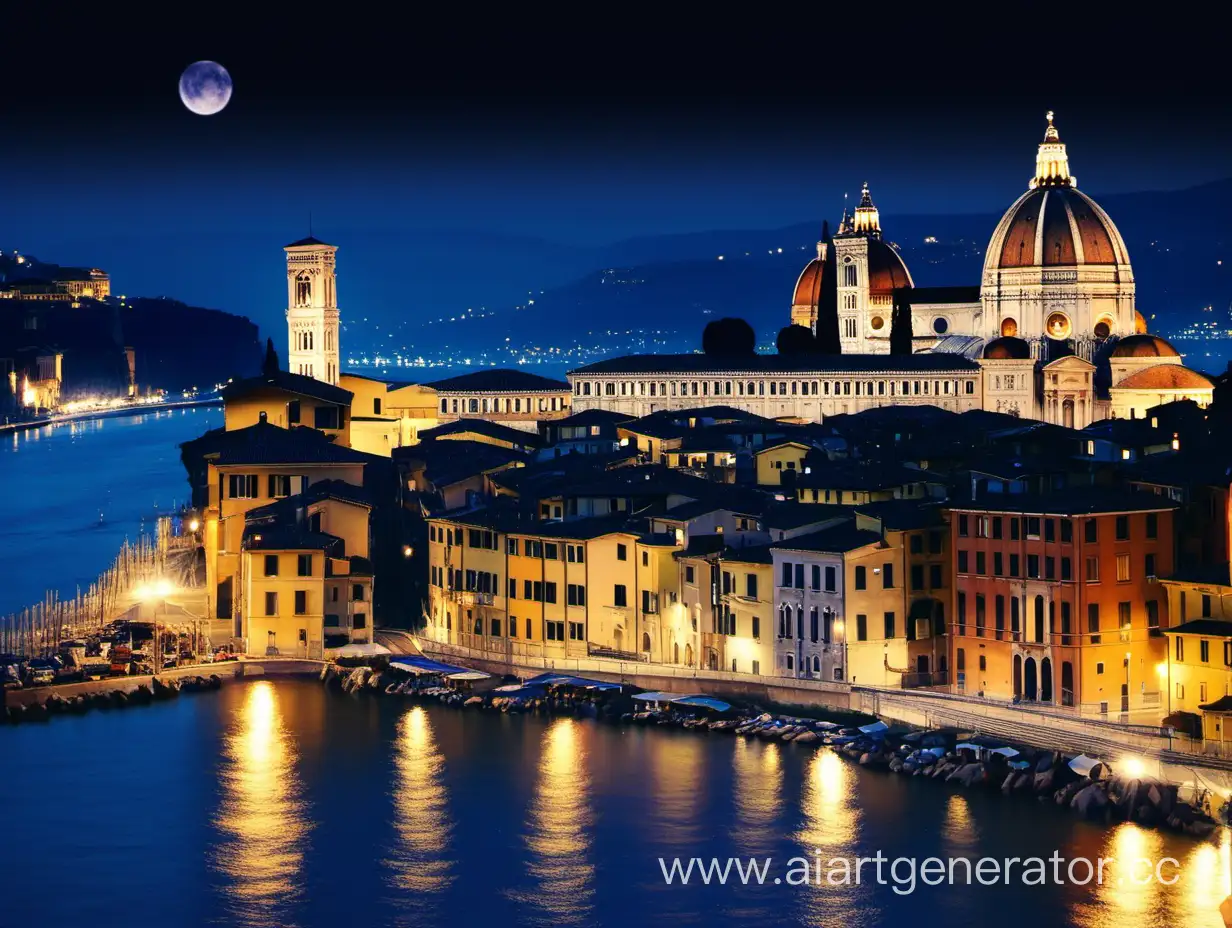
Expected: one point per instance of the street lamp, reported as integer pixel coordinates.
(156, 591)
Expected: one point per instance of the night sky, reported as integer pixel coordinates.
(582, 133)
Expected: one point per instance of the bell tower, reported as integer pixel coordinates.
(312, 309)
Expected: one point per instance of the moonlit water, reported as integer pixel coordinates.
(72, 493)
(274, 802)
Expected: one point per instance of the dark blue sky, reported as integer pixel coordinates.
(581, 134)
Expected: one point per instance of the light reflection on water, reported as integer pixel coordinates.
(419, 862)
(758, 793)
(830, 831)
(263, 820)
(559, 837)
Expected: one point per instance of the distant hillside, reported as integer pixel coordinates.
(177, 346)
(676, 283)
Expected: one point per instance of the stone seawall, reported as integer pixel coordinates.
(227, 670)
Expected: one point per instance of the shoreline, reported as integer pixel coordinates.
(136, 409)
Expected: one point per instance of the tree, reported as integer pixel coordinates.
(828, 341)
(729, 337)
(271, 364)
(900, 322)
(796, 339)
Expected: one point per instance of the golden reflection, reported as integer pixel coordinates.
(1129, 889)
(829, 832)
(959, 831)
(262, 816)
(676, 772)
(1206, 875)
(759, 787)
(421, 808)
(560, 820)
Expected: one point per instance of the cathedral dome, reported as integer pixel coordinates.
(1165, 377)
(1143, 346)
(808, 287)
(1054, 224)
(1007, 348)
(1055, 227)
(887, 271)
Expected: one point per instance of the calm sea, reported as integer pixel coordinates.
(72, 493)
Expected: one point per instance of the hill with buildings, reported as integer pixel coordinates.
(47, 310)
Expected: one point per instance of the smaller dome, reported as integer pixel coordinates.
(1007, 348)
(1139, 323)
(1165, 377)
(1143, 346)
(808, 287)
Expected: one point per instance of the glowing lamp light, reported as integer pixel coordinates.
(407, 550)
(1134, 767)
(1162, 669)
(194, 525)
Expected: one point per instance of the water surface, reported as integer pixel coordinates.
(275, 803)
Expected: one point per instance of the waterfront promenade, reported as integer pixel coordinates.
(1177, 758)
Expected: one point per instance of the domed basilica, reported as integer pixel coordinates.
(1051, 331)
(1053, 322)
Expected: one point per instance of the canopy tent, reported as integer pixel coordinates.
(411, 663)
(559, 679)
(874, 728)
(703, 702)
(654, 696)
(1083, 765)
(369, 649)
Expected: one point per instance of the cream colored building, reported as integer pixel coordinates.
(312, 309)
(510, 397)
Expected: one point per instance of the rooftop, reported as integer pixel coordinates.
(504, 380)
(1076, 501)
(291, 383)
(515, 437)
(264, 443)
(759, 364)
(837, 539)
(1215, 628)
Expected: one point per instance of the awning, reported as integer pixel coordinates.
(1082, 765)
(415, 664)
(1222, 704)
(370, 649)
(874, 728)
(558, 679)
(704, 702)
(654, 696)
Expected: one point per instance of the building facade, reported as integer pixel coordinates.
(1057, 599)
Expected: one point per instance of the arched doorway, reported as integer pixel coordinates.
(1067, 413)
(1046, 680)
(1067, 683)
(1039, 619)
(1029, 685)
(646, 642)
(1017, 676)
(712, 660)
(618, 638)
(688, 655)
(676, 653)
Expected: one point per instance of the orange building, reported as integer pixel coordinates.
(1056, 599)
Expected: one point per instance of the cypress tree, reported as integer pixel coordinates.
(900, 322)
(270, 365)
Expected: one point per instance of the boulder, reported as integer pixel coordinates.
(1089, 800)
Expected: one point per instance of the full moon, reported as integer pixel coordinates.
(205, 87)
